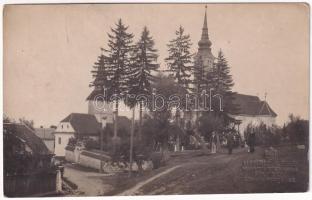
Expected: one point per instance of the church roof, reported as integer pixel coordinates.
(252, 105)
(84, 124)
(204, 42)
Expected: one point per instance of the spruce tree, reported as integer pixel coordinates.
(179, 60)
(100, 73)
(118, 59)
(223, 83)
(199, 83)
(199, 79)
(143, 69)
(180, 66)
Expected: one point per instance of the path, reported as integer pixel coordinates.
(89, 183)
(132, 191)
(216, 173)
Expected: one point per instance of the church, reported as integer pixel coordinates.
(251, 110)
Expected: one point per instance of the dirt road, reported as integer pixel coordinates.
(90, 183)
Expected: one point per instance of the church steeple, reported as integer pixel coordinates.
(204, 42)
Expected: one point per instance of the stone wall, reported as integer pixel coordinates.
(69, 156)
(87, 161)
(93, 160)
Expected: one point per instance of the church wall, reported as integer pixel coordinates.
(254, 120)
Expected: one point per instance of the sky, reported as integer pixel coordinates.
(49, 51)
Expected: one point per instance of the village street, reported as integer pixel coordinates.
(89, 182)
(188, 173)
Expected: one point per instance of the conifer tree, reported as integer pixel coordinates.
(223, 82)
(118, 59)
(179, 60)
(199, 82)
(100, 73)
(143, 69)
(180, 66)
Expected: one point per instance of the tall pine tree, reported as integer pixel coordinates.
(199, 84)
(118, 59)
(180, 66)
(223, 83)
(179, 60)
(100, 74)
(143, 70)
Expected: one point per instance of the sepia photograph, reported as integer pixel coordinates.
(105, 99)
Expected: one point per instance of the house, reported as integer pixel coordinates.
(29, 141)
(47, 136)
(251, 110)
(77, 125)
(28, 168)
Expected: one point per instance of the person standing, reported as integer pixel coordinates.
(230, 141)
(213, 142)
(252, 141)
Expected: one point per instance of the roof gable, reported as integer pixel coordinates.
(84, 124)
(252, 105)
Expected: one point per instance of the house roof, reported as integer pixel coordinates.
(28, 136)
(45, 133)
(84, 124)
(252, 105)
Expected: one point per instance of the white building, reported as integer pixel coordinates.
(251, 110)
(75, 125)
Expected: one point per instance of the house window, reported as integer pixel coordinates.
(62, 126)
(59, 140)
(67, 126)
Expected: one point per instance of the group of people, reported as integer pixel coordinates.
(214, 140)
(230, 140)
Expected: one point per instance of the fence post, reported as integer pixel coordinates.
(58, 181)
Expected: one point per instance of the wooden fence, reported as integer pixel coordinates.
(36, 184)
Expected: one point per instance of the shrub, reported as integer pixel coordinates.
(90, 143)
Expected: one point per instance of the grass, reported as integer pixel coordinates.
(215, 174)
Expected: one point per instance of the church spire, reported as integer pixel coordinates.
(204, 42)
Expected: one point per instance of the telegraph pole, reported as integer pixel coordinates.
(131, 142)
(103, 122)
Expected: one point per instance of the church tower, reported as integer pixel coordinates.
(204, 47)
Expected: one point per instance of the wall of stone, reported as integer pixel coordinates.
(69, 156)
(92, 160)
